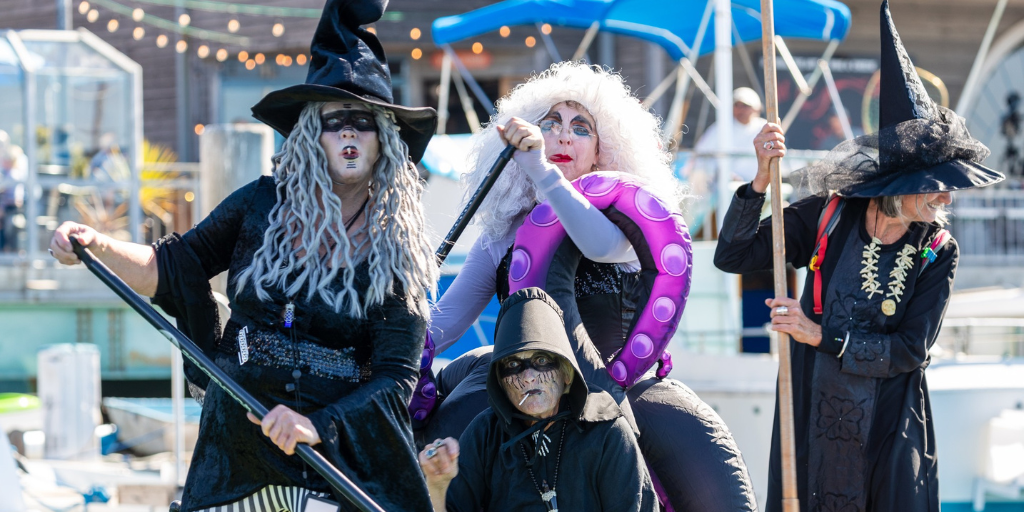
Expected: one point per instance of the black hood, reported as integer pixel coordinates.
(531, 320)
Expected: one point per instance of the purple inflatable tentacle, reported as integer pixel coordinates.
(665, 234)
(424, 397)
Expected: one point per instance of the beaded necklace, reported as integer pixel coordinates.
(547, 494)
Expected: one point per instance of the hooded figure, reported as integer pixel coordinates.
(534, 452)
(881, 274)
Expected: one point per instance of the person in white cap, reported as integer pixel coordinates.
(746, 124)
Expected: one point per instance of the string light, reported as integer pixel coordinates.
(530, 42)
(287, 61)
(200, 129)
(189, 196)
(301, 59)
(203, 51)
(260, 58)
(277, 30)
(112, 25)
(222, 55)
(250, 64)
(138, 14)
(415, 34)
(233, 26)
(138, 33)
(417, 53)
(83, 8)
(184, 20)
(181, 46)
(478, 48)
(243, 56)
(161, 41)
(545, 28)
(92, 16)
(279, 60)
(504, 31)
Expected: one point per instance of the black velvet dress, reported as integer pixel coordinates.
(863, 425)
(355, 376)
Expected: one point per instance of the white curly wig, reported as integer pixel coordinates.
(629, 139)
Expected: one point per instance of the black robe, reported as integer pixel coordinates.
(863, 424)
(598, 466)
(359, 407)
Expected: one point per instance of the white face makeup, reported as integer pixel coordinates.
(570, 139)
(924, 207)
(533, 382)
(349, 137)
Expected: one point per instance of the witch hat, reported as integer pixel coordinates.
(348, 63)
(922, 147)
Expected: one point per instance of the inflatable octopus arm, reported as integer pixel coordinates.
(662, 243)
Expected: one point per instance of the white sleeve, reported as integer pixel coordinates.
(597, 237)
(465, 299)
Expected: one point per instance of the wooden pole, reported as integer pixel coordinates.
(790, 500)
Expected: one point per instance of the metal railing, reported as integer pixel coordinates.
(988, 224)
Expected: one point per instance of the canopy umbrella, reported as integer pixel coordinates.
(675, 25)
(672, 24)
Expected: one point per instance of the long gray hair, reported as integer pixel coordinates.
(309, 211)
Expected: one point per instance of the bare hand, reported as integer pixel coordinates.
(792, 321)
(523, 135)
(286, 428)
(60, 244)
(770, 137)
(440, 463)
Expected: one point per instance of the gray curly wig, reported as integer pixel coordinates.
(628, 139)
(396, 245)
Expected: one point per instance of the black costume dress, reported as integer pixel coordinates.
(687, 445)
(355, 376)
(863, 425)
(594, 462)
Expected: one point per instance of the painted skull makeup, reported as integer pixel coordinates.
(338, 120)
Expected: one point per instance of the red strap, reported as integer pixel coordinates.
(819, 255)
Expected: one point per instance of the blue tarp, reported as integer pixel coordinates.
(672, 24)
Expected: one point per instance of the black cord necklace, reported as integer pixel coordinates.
(547, 494)
(351, 222)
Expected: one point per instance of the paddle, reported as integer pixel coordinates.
(474, 203)
(189, 349)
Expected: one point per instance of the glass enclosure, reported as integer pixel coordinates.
(71, 145)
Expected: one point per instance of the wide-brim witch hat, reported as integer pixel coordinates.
(348, 63)
(920, 147)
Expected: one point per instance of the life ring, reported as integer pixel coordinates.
(662, 243)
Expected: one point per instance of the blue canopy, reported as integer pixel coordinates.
(672, 24)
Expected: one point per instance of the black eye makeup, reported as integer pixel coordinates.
(541, 362)
(359, 120)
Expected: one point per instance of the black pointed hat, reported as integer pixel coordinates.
(348, 63)
(920, 147)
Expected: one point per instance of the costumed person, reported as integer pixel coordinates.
(548, 439)
(746, 124)
(567, 123)
(329, 267)
(881, 274)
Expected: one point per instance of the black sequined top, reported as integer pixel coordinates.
(607, 297)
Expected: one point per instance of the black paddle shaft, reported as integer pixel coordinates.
(474, 203)
(190, 350)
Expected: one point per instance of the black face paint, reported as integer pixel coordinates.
(338, 120)
(542, 362)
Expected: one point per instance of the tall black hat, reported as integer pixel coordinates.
(920, 147)
(348, 63)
